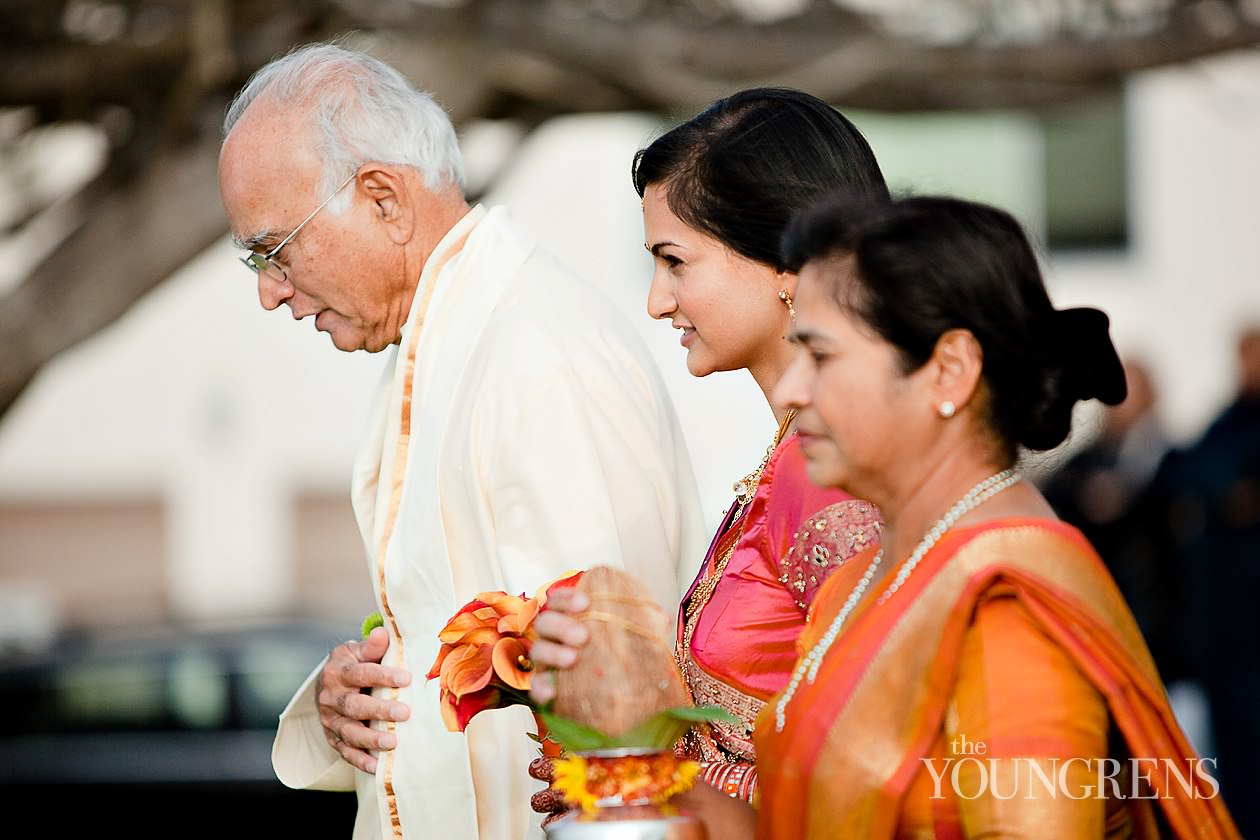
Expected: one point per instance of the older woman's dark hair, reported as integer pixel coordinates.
(924, 266)
(741, 168)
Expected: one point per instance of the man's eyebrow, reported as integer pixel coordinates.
(254, 240)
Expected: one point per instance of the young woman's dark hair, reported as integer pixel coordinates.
(923, 266)
(741, 168)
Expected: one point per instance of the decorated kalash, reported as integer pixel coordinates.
(617, 715)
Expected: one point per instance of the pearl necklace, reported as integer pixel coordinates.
(808, 667)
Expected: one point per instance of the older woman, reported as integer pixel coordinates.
(978, 674)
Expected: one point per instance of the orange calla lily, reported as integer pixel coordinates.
(566, 581)
(436, 669)
(464, 623)
(521, 620)
(483, 662)
(508, 657)
(503, 603)
(468, 669)
(457, 712)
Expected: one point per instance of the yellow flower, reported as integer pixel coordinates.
(684, 777)
(569, 777)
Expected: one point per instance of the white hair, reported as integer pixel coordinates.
(362, 110)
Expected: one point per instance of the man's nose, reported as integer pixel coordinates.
(273, 290)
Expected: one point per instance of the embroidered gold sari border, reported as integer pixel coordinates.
(722, 741)
(884, 766)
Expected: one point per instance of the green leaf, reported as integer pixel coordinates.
(659, 732)
(662, 730)
(372, 622)
(573, 736)
(702, 714)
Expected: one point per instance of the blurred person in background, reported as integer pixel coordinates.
(982, 646)
(1216, 520)
(1112, 491)
(520, 430)
(718, 192)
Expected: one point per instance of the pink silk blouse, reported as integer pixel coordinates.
(743, 646)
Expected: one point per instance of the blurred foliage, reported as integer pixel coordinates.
(150, 79)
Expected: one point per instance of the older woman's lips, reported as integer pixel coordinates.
(807, 438)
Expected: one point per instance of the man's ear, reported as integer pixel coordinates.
(392, 199)
(957, 364)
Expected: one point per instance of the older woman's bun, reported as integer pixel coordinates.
(926, 265)
(1081, 363)
(1090, 359)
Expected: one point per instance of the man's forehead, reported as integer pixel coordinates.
(265, 183)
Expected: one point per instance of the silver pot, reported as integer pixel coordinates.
(628, 822)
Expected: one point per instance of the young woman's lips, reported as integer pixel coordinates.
(688, 336)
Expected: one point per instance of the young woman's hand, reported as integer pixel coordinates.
(561, 638)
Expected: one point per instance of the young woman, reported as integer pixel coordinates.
(718, 192)
(978, 674)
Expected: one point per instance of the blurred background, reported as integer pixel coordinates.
(176, 542)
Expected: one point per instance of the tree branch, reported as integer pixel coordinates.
(132, 239)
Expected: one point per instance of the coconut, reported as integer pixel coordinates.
(626, 673)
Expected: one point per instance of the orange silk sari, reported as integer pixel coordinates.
(850, 761)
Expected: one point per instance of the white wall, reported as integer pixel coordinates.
(1192, 276)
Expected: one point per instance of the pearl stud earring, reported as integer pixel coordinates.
(946, 409)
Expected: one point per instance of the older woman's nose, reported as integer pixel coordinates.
(793, 388)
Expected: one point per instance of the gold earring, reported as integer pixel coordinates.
(786, 297)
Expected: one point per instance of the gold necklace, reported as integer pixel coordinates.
(744, 489)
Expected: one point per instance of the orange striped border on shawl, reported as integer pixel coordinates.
(401, 454)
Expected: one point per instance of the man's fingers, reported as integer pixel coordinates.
(357, 665)
(352, 733)
(363, 707)
(372, 649)
(355, 675)
(358, 758)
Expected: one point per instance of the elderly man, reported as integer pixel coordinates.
(520, 430)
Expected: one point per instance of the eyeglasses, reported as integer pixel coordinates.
(261, 263)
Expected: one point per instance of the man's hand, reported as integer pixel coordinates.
(344, 708)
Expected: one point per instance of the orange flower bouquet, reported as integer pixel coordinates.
(484, 659)
(484, 663)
